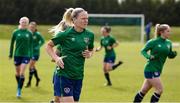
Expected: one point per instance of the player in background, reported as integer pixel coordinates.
(22, 37)
(160, 48)
(38, 41)
(109, 43)
(148, 30)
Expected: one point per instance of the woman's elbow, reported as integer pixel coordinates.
(49, 45)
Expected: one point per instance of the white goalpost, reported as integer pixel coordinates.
(140, 16)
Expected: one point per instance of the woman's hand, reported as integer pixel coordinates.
(59, 61)
(86, 53)
(98, 49)
(109, 47)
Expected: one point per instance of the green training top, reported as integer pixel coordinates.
(38, 41)
(73, 43)
(108, 41)
(23, 39)
(159, 48)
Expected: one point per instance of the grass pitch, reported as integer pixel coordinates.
(127, 79)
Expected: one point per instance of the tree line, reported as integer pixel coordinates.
(51, 11)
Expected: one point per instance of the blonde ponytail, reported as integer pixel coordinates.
(156, 31)
(64, 23)
(67, 17)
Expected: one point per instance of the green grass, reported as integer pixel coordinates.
(127, 79)
(122, 33)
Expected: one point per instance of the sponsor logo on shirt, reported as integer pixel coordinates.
(159, 45)
(19, 34)
(34, 37)
(168, 46)
(73, 39)
(27, 35)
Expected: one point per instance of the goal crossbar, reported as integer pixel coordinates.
(126, 16)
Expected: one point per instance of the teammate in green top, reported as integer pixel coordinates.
(61, 27)
(38, 41)
(76, 45)
(109, 43)
(23, 51)
(160, 48)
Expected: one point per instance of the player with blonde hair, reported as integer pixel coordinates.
(76, 45)
(23, 51)
(160, 48)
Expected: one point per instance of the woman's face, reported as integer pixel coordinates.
(82, 20)
(166, 33)
(104, 32)
(23, 23)
(32, 27)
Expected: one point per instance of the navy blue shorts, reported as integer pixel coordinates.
(109, 59)
(67, 87)
(150, 75)
(21, 60)
(35, 58)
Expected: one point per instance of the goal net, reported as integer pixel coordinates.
(127, 27)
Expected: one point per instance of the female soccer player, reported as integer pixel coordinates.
(38, 41)
(160, 48)
(76, 45)
(61, 27)
(23, 51)
(109, 43)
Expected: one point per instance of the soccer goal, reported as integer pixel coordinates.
(129, 26)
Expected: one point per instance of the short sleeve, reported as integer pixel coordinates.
(59, 38)
(112, 41)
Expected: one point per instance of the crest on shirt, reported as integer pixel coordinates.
(105, 42)
(168, 46)
(86, 40)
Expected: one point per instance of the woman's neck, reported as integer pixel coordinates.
(106, 35)
(163, 37)
(78, 29)
(23, 28)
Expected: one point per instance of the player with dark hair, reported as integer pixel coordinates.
(109, 43)
(38, 41)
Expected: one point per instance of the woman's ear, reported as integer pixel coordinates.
(161, 32)
(73, 20)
